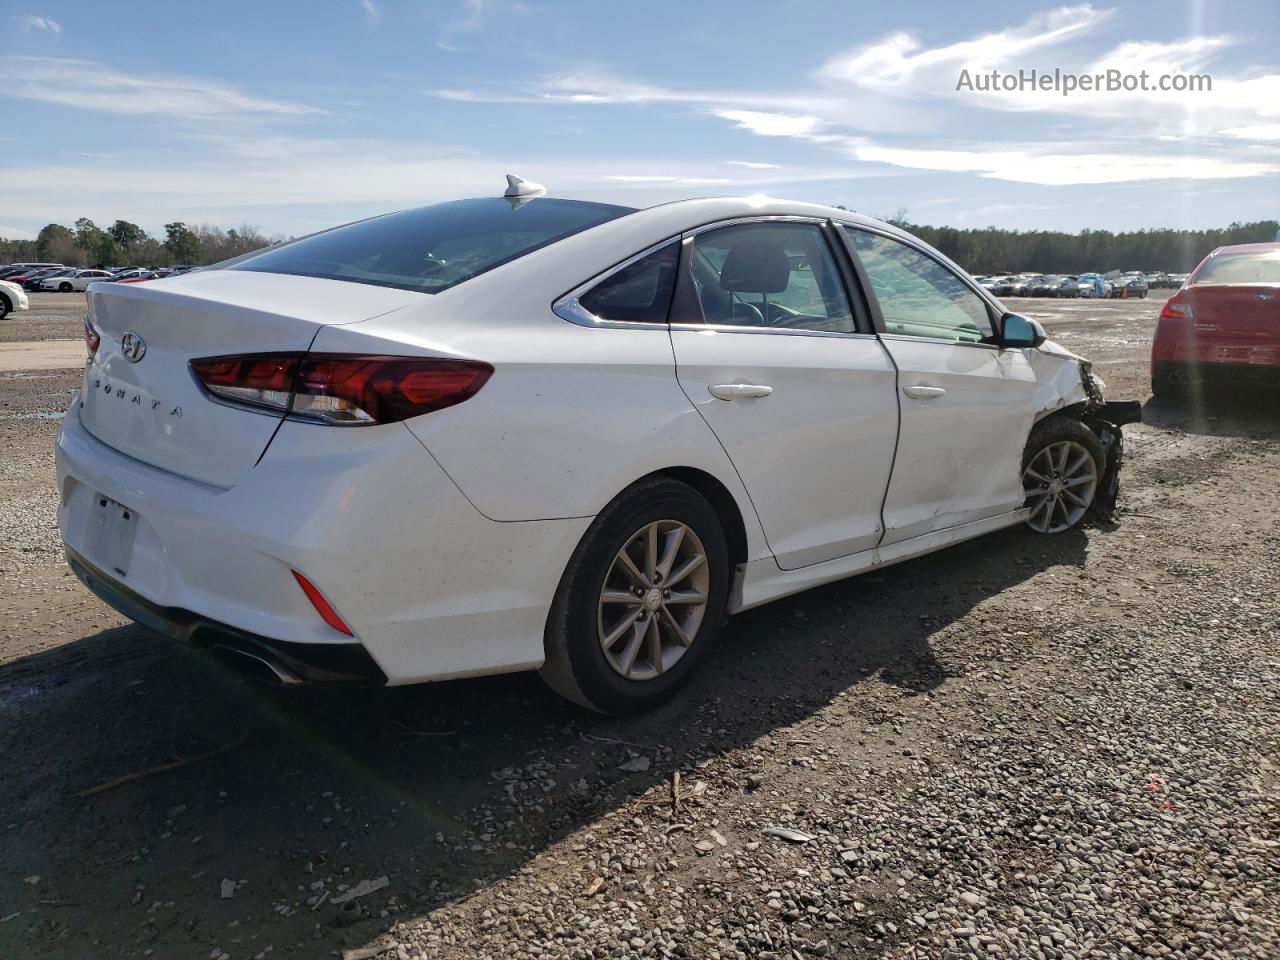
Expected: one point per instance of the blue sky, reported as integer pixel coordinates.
(295, 115)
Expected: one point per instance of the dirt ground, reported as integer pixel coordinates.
(1020, 747)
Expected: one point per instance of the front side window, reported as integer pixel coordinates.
(772, 275)
(918, 296)
(638, 293)
(432, 248)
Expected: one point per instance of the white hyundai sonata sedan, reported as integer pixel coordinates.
(507, 434)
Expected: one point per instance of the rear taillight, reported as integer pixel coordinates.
(341, 389)
(91, 338)
(1177, 309)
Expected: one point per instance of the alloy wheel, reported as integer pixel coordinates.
(653, 600)
(1060, 482)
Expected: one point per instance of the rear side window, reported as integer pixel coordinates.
(433, 248)
(638, 293)
(1252, 267)
(777, 275)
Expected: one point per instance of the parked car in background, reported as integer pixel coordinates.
(683, 455)
(32, 281)
(77, 281)
(24, 274)
(25, 269)
(137, 276)
(1093, 285)
(12, 297)
(1178, 279)
(1023, 283)
(1224, 323)
(1000, 286)
(1131, 285)
(1054, 286)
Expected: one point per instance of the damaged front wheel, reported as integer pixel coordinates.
(1061, 470)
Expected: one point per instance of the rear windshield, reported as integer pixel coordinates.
(1254, 267)
(433, 248)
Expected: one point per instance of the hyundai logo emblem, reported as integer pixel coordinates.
(133, 347)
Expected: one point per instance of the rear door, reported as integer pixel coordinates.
(797, 390)
(966, 403)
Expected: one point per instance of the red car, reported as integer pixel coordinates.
(1224, 323)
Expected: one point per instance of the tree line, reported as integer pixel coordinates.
(85, 244)
(983, 250)
(989, 250)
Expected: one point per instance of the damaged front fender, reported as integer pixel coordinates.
(1066, 385)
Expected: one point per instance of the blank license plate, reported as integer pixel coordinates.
(114, 526)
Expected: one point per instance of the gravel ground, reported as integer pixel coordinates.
(51, 316)
(1021, 747)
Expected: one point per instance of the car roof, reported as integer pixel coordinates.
(641, 228)
(1249, 248)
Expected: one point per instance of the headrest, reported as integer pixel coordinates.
(756, 264)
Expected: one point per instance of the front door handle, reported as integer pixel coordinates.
(920, 392)
(739, 391)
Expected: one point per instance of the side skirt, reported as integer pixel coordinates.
(763, 580)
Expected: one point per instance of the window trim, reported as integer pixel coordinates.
(686, 298)
(569, 306)
(994, 309)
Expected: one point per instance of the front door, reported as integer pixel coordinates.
(967, 404)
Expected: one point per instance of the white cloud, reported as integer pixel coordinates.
(372, 10)
(899, 60)
(95, 86)
(1260, 131)
(31, 22)
(754, 165)
(472, 20)
(15, 233)
(771, 124)
(1050, 168)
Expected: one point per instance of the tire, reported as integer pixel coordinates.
(64, 288)
(5, 306)
(1163, 386)
(580, 663)
(1061, 487)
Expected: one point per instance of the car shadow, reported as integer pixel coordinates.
(1219, 410)
(443, 788)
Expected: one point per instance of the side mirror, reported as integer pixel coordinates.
(1019, 331)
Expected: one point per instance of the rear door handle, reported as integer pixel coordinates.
(920, 392)
(739, 391)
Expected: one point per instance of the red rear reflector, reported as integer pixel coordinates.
(342, 389)
(327, 613)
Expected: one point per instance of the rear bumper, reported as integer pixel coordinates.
(285, 663)
(430, 588)
(1215, 373)
(1178, 347)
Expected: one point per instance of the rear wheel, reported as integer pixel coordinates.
(1163, 385)
(5, 306)
(64, 288)
(641, 600)
(1061, 472)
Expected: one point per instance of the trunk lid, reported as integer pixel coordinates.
(145, 402)
(1239, 311)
